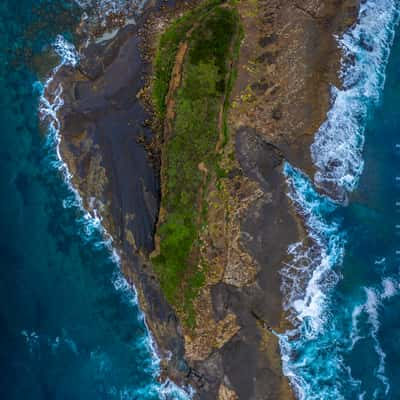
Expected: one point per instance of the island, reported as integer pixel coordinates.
(175, 129)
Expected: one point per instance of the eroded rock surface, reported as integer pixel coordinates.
(287, 60)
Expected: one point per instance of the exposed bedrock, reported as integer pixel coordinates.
(103, 129)
(287, 61)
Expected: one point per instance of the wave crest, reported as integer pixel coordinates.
(309, 275)
(338, 144)
(50, 102)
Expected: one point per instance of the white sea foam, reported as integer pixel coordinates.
(367, 314)
(390, 288)
(372, 305)
(129, 294)
(309, 370)
(97, 11)
(338, 144)
(307, 282)
(167, 391)
(107, 6)
(49, 106)
(122, 285)
(37, 342)
(354, 334)
(308, 279)
(309, 275)
(375, 298)
(67, 52)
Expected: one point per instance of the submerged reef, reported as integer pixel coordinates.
(176, 129)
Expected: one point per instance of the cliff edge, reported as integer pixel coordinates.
(175, 131)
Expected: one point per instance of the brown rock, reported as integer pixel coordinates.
(225, 393)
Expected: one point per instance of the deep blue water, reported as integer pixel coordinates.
(371, 267)
(69, 324)
(346, 344)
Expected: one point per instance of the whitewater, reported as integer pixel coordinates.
(335, 304)
(89, 221)
(317, 352)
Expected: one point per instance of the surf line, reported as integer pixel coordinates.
(311, 274)
(50, 103)
(338, 144)
(308, 278)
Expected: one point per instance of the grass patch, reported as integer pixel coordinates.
(191, 151)
(167, 48)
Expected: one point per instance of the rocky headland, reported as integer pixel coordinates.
(175, 130)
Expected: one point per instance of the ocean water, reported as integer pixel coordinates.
(69, 322)
(70, 327)
(345, 305)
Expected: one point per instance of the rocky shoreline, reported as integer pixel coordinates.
(287, 61)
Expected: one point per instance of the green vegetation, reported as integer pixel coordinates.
(190, 155)
(167, 48)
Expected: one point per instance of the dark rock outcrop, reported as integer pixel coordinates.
(286, 62)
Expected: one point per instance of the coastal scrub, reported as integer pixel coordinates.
(191, 153)
(166, 52)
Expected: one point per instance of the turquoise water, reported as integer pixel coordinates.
(346, 298)
(70, 326)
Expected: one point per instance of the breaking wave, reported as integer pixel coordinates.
(92, 230)
(307, 282)
(338, 144)
(98, 11)
(102, 366)
(366, 319)
(314, 351)
(309, 276)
